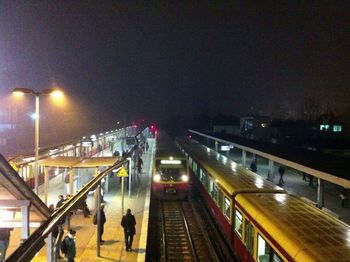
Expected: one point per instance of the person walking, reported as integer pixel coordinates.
(128, 223)
(254, 165)
(102, 222)
(69, 243)
(139, 165)
(281, 171)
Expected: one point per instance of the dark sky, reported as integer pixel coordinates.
(180, 57)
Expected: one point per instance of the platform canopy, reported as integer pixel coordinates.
(78, 162)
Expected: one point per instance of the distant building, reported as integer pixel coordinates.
(329, 124)
(225, 124)
(8, 124)
(322, 134)
(256, 127)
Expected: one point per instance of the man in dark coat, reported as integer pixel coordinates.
(102, 221)
(254, 165)
(128, 223)
(60, 201)
(281, 170)
(70, 245)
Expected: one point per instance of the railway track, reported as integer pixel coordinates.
(182, 237)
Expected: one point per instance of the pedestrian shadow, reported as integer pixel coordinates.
(139, 250)
(105, 258)
(110, 242)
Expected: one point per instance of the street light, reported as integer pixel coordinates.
(50, 91)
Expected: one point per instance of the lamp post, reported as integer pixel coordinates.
(50, 91)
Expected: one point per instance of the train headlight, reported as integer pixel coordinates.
(184, 178)
(156, 178)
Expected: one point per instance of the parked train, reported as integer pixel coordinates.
(260, 221)
(170, 170)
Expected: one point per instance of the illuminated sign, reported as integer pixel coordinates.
(170, 162)
(226, 148)
(87, 142)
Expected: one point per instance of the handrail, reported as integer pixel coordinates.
(14, 183)
(36, 240)
(27, 250)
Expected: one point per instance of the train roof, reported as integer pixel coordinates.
(304, 231)
(166, 147)
(232, 177)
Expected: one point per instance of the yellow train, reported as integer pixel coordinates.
(260, 221)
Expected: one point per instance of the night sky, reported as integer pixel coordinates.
(185, 57)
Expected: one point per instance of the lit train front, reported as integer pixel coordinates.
(170, 178)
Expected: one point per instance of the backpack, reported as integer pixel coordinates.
(64, 246)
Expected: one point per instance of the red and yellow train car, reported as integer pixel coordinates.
(259, 220)
(170, 170)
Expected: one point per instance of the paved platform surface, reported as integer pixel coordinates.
(113, 249)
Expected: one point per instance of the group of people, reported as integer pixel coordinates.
(68, 245)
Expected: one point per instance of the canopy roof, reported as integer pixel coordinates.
(75, 162)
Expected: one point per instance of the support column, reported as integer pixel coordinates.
(129, 172)
(95, 193)
(98, 218)
(46, 183)
(244, 157)
(71, 179)
(320, 193)
(271, 170)
(49, 250)
(25, 221)
(106, 184)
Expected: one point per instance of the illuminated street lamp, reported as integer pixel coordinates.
(23, 91)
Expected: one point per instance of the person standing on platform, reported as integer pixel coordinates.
(102, 222)
(254, 165)
(139, 165)
(60, 201)
(311, 180)
(69, 243)
(66, 183)
(128, 223)
(281, 171)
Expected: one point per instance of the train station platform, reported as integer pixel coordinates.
(113, 249)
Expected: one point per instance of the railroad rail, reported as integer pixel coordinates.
(182, 237)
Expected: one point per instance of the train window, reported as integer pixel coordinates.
(266, 252)
(213, 189)
(227, 208)
(276, 258)
(249, 236)
(220, 201)
(203, 179)
(194, 167)
(190, 162)
(201, 174)
(238, 223)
